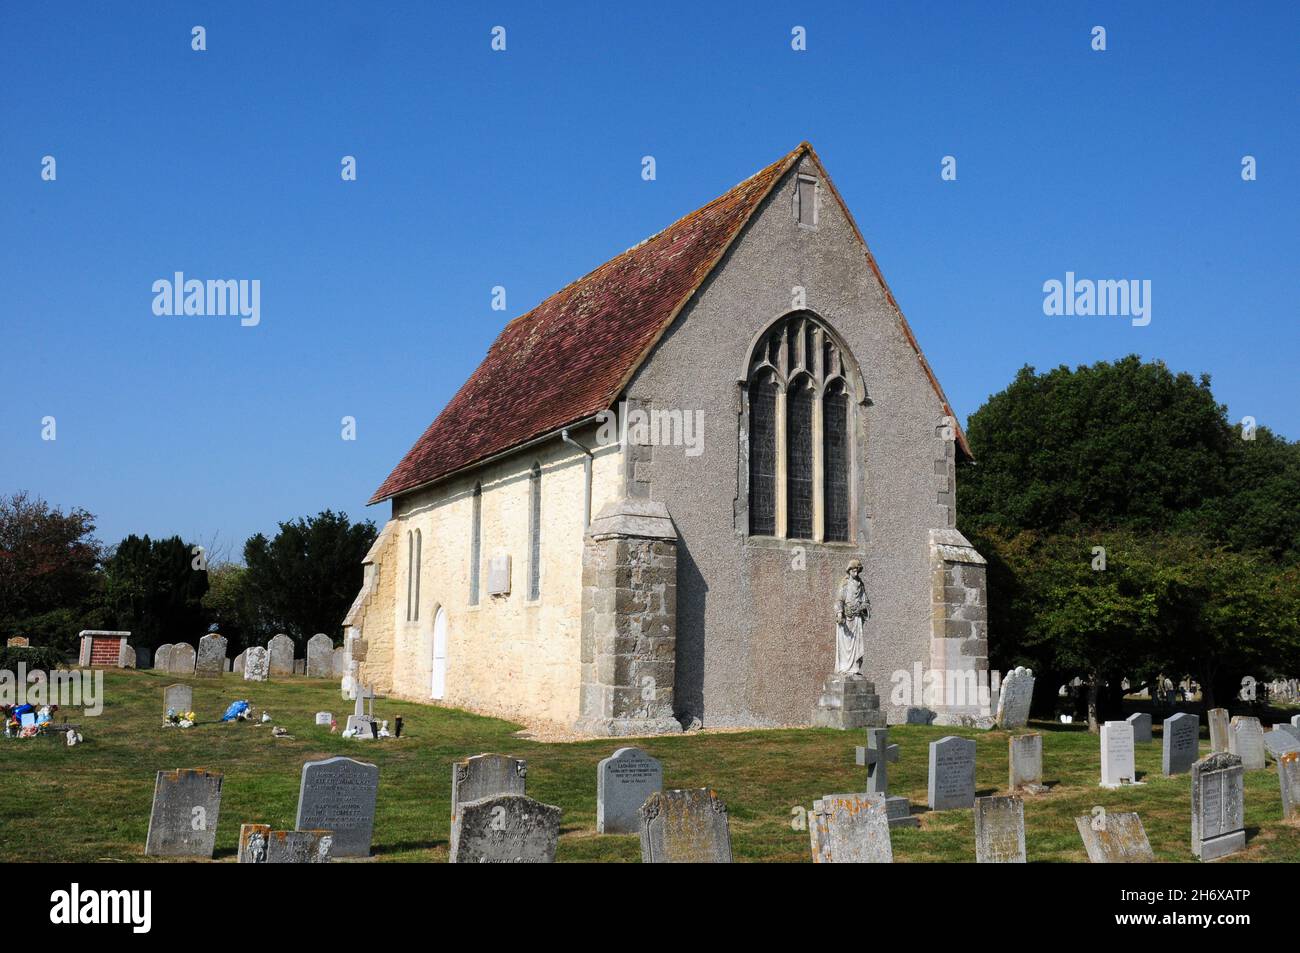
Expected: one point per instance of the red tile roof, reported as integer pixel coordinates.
(573, 354)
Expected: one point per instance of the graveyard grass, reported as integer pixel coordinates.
(92, 802)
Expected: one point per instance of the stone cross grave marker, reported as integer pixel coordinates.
(1117, 754)
(850, 829)
(1180, 744)
(179, 698)
(1218, 720)
(952, 773)
(182, 659)
(280, 649)
(1141, 723)
(999, 830)
(685, 827)
(1246, 741)
(256, 664)
(1288, 776)
(505, 829)
(258, 844)
(875, 757)
(338, 794)
(1113, 837)
(186, 808)
(211, 659)
(623, 782)
(1015, 697)
(1025, 763)
(1218, 806)
(320, 656)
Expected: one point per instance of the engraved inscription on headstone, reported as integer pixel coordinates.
(1115, 838)
(505, 829)
(1025, 763)
(1117, 754)
(850, 829)
(1246, 741)
(256, 664)
(999, 830)
(1218, 721)
(685, 827)
(258, 844)
(952, 773)
(178, 698)
(211, 659)
(1180, 744)
(1015, 697)
(338, 794)
(1218, 806)
(623, 781)
(186, 808)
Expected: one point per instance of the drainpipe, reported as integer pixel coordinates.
(586, 473)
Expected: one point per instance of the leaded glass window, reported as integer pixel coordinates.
(799, 461)
(762, 457)
(835, 438)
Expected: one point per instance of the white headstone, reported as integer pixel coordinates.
(1117, 754)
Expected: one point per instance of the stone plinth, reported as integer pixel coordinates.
(846, 702)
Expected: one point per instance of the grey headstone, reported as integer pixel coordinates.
(257, 663)
(211, 660)
(186, 808)
(1141, 723)
(623, 781)
(952, 773)
(128, 656)
(1117, 766)
(1015, 697)
(1295, 720)
(338, 794)
(280, 649)
(1218, 721)
(320, 656)
(162, 658)
(1025, 763)
(339, 661)
(486, 775)
(685, 827)
(1218, 806)
(1292, 730)
(850, 829)
(1246, 741)
(1113, 837)
(999, 830)
(258, 844)
(1288, 776)
(324, 718)
(179, 698)
(1279, 741)
(1180, 744)
(238, 666)
(505, 829)
(182, 659)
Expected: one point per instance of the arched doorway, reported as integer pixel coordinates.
(438, 681)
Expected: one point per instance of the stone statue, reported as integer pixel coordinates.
(852, 608)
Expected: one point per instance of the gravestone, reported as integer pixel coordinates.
(1290, 729)
(1141, 723)
(1180, 744)
(1218, 721)
(486, 775)
(952, 773)
(211, 660)
(324, 718)
(338, 794)
(999, 830)
(280, 650)
(257, 662)
(1117, 754)
(186, 808)
(1025, 763)
(320, 656)
(505, 829)
(339, 662)
(1288, 776)
(850, 829)
(179, 698)
(258, 844)
(238, 666)
(162, 658)
(1279, 742)
(1295, 720)
(623, 781)
(1246, 741)
(875, 757)
(182, 659)
(1014, 699)
(1115, 838)
(685, 827)
(128, 657)
(1218, 808)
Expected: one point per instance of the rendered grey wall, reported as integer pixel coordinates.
(755, 636)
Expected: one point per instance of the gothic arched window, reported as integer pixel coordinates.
(800, 414)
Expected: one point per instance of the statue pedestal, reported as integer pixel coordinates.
(847, 702)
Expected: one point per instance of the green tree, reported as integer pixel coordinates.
(230, 604)
(155, 589)
(305, 578)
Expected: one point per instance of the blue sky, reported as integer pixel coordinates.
(522, 168)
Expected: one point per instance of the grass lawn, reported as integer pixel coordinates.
(92, 802)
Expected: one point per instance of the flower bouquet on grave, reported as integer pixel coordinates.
(175, 719)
